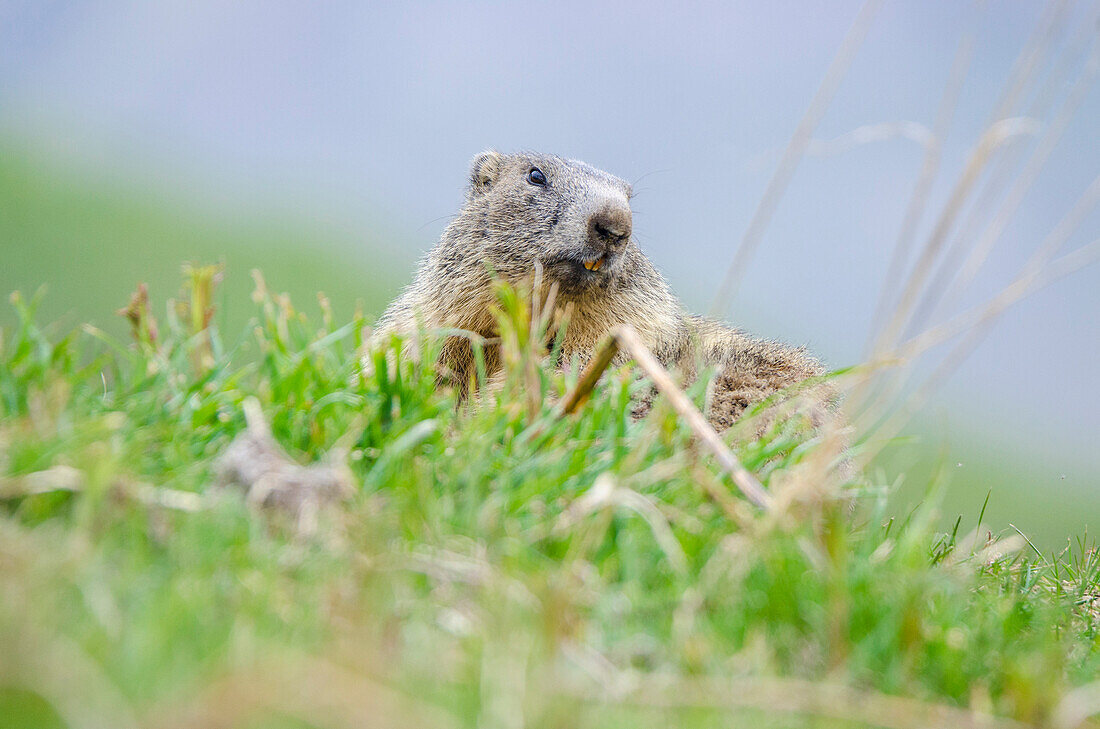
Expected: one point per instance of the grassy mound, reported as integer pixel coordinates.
(495, 565)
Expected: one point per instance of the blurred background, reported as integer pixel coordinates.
(327, 144)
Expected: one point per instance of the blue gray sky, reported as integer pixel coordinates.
(370, 112)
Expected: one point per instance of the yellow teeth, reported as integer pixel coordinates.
(594, 265)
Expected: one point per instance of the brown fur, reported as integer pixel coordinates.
(511, 227)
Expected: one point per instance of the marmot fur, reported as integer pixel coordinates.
(573, 222)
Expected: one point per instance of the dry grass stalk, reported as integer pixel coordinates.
(918, 294)
(608, 493)
(929, 167)
(591, 375)
(997, 135)
(934, 298)
(67, 478)
(874, 397)
(796, 148)
(624, 338)
(975, 323)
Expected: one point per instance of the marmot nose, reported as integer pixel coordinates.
(610, 226)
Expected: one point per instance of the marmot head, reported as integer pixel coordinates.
(529, 210)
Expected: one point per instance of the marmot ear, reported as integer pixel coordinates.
(484, 171)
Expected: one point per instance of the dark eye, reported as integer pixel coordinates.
(535, 177)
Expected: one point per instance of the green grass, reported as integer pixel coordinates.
(474, 578)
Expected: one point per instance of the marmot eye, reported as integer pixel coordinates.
(535, 177)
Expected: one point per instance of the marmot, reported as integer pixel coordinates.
(529, 211)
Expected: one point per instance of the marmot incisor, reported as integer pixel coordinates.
(528, 210)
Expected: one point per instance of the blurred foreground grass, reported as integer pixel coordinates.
(493, 566)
